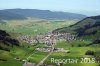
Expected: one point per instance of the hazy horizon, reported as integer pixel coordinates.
(85, 7)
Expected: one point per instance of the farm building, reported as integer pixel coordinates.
(28, 64)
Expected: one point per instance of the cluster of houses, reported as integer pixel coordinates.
(44, 49)
(50, 49)
(48, 38)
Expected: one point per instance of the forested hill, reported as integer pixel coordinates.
(35, 13)
(6, 15)
(6, 41)
(88, 27)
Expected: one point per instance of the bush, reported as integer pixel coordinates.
(79, 45)
(89, 52)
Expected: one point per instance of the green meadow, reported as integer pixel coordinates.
(23, 53)
(34, 26)
(75, 53)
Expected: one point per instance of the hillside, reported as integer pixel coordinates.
(6, 41)
(86, 28)
(35, 13)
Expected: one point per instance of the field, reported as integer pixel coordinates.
(75, 53)
(34, 26)
(23, 54)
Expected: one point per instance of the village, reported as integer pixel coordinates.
(49, 40)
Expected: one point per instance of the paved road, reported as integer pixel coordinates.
(42, 61)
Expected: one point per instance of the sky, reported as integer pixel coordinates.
(86, 7)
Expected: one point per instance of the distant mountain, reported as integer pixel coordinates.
(35, 13)
(87, 28)
(6, 15)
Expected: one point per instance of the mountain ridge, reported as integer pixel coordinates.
(45, 14)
